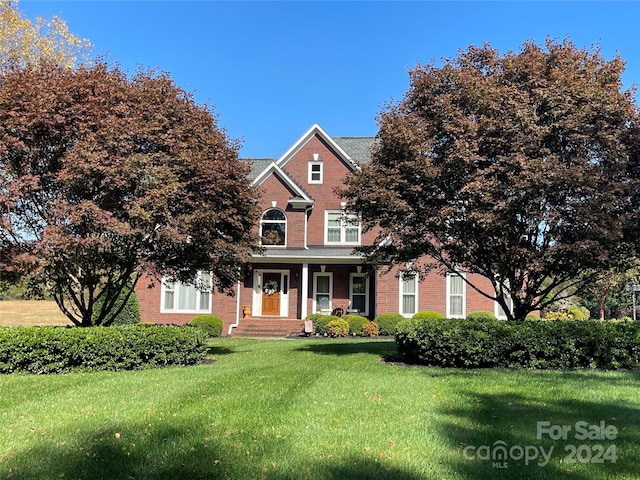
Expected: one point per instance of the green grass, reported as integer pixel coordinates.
(316, 409)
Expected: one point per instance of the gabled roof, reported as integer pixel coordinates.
(300, 198)
(358, 148)
(313, 131)
(257, 166)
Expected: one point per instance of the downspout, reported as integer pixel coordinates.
(234, 325)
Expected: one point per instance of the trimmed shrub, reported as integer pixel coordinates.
(529, 344)
(481, 315)
(130, 313)
(428, 315)
(579, 313)
(387, 322)
(211, 324)
(127, 347)
(337, 328)
(370, 329)
(356, 322)
(320, 322)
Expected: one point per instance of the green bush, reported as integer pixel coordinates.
(387, 322)
(320, 322)
(127, 347)
(554, 315)
(370, 329)
(428, 315)
(356, 322)
(211, 324)
(130, 313)
(337, 328)
(529, 344)
(579, 313)
(481, 315)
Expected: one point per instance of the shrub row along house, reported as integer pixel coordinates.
(308, 264)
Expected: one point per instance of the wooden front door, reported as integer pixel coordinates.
(271, 294)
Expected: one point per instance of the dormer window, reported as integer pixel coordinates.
(273, 228)
(315, 172)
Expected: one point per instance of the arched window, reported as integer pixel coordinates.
(273, 227)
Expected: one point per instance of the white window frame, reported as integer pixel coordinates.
(499, 312)
(450, 295)
(311, 172)
(402, 294)
(343, 228)
(176, 288)
(364, 312)
(316, 275)
(274, 222)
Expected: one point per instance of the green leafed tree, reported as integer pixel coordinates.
(518, 167)
(106, 176)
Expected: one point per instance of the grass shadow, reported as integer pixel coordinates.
(489, 420)
(217, 351)
(381, 348)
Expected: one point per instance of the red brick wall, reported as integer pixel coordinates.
(432, 293)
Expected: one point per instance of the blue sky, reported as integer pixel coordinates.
(272, 69)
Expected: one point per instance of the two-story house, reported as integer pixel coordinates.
(308, 264)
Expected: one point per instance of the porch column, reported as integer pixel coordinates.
(304, 290)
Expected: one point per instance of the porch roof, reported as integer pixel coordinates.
(313, 254)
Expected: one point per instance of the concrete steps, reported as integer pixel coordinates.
(267, 327)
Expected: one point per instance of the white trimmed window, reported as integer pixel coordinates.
(315, 172)
(456, 296)
(322, 292)
(408, 295)
(341, 228)
(499, 311)
(178, 297)
(273, 228)
(359, 293)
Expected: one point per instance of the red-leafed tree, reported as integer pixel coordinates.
(104, 176)
(519, 167)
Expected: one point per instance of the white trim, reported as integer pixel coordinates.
(317, 129)
(304, 290)
(272, 168)
(343, 228)
(352, 275)
(497, 309)
(176, 297)
(449, 295)
(256, 304)
(401, 294)
(310, 172)
(315, 291)
(274, 222)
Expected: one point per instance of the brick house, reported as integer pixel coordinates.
(308, 264)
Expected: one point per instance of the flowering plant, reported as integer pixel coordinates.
(270, 287)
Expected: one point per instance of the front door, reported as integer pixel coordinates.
(271, 294)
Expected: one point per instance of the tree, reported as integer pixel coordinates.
(517, 167)
(105, 177)
(23, 42)
(608, 292)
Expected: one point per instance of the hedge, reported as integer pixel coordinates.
(211, 324)
(537, 344)
(127, 347)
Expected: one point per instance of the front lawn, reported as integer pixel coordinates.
(318, 409)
